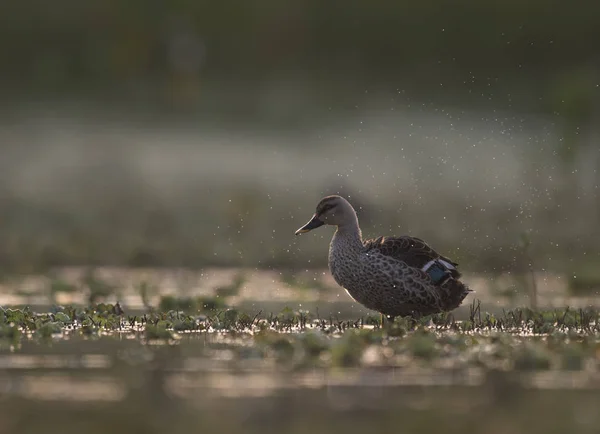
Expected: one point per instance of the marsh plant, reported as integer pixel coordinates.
(520, 339)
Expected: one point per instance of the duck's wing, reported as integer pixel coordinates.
(412, 251)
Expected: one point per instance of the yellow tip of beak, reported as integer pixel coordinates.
(312, 224)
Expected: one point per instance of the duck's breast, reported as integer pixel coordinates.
(345, 265)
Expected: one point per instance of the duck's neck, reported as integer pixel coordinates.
(345, 250)
(348, 237)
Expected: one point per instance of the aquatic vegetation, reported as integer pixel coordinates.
(191, 304)
(157, 360)
(521, 339)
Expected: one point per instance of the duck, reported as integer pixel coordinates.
(395, 276)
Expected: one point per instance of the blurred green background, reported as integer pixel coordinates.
(147, 133)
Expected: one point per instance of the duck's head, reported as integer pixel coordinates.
(331, 210)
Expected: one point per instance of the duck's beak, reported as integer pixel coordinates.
(312, 224)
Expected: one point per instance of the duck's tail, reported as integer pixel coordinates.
(454, 292)
(444, 274)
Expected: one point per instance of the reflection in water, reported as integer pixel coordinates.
(224, 382)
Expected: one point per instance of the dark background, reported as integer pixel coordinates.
(196, 133)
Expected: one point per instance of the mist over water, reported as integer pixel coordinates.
(463, 179)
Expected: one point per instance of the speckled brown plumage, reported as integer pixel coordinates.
(386, 274)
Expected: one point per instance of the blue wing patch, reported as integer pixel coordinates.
(437, 272)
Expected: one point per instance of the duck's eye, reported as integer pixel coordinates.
(325, 209)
